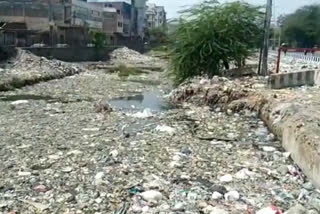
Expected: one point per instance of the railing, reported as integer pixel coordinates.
(301, 56)
(304, 54)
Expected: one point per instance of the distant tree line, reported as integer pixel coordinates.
(302, 28)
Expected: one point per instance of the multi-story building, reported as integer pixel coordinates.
(50, 21)
(111, 21)
(155, 16)
(124, 11)
(141, 7)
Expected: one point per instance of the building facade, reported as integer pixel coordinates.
(124, 13)
(50, 22)
(141, 8)
(155, 16)
(53, 22)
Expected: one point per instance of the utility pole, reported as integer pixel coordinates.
(264, 70)
(280, 34)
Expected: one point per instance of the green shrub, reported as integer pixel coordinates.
(210, 36)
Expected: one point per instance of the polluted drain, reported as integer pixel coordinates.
(147, 100)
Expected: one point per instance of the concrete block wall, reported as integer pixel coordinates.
(294, 79)
(317, 78)
(79, 54)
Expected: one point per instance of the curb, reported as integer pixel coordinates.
(293, 79)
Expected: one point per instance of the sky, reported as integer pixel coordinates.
(281, 6)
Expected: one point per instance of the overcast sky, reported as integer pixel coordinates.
(282, 6)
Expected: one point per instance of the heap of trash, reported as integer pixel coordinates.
(29, 69)
(127, 56)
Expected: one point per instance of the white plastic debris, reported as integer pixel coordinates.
(114, 153)
(286, 154)
(145, 209)
(179, 206)
(24, 173)
(145, 114)
(74, 152)
(262, 131)
(270, 210)
(99, 178)
(216, 195)
(91, 129)
(54, 157)
(218, 211)
(268, 149)
(244, 174)
(151, 196)
(204, 82)
(165, 128)
(67, 169)
(19, 102)
(232, 196)
(226, 178)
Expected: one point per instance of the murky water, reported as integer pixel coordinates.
(151, 99)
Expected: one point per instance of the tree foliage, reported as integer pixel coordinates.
(99, 39)
(158, 35)
(302, 28)
(212, 35)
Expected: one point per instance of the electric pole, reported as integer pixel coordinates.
(265, 71)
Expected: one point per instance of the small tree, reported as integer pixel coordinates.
(212, 35)
(99, 39)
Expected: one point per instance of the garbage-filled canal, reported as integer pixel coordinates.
(142, 157)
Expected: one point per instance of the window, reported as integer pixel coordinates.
(119, 24)
(118, 11)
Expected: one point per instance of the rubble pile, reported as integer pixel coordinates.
(222, 93)
(130, 57)
(30, 69)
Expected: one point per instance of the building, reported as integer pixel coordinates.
(141, 8)
(155, 16)
(80, 18)
(50, 22)
(124, 13)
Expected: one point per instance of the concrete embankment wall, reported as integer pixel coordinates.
(298, 127)
(80, 54)
(74, 54)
